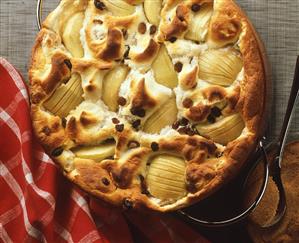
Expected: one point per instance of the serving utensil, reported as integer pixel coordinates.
(39, 11)
(279, 150)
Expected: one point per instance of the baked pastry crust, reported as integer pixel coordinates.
(84, 43)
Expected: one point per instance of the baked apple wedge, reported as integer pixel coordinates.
(111, 85)
(71, 35)
(220, 67)
(96, 152)
(166, 177)
(166, 115)
(152, 9)
(119, 7)
(66, 97)
(164, 70)
(198, 27)
(224, 130)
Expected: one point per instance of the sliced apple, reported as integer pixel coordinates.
(119, 7)
(72, 102)
(66, 97)
(111, 85)
(166, 115)
(224, 130)
(96, 153)
(166, 177)
(152, 9)
(71, 35)
(220, 67)
(164, 70)
(198, 27)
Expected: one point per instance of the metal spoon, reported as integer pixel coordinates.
(275, 169)
(39, 13)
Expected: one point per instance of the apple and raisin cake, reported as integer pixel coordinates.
(148, 103)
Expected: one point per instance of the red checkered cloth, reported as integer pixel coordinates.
(37, 204)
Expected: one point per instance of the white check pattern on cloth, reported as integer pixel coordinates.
(28, 178)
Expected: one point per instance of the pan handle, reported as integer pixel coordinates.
(39, 10)
(245, 212)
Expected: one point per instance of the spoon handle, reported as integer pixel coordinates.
(39, 13)
(289, 113)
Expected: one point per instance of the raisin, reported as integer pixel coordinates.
(105, 181)
(121, 101)
(175, 125)
(216, 112)
(144, 189)
(187, 103)
(142, 28)
(191, 187)
(178, 67)
(155, 146)
(153, 29)
(119, 127)
(184, 122)
(68, 63)
(195, 7)
(183, 130)
(57, 152)
(211, 119)
(99, 5)
(127, 203)
(136, 124)
(46, 130)
(138, 112)
(115, 120)
(190, 131)
(173, 39)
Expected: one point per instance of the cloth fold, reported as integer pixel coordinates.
(37, 204)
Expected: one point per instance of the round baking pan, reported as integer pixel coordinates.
(227, 198)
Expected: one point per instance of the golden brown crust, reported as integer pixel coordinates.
(189, 81)
(59, 72)
(225, 26)
(93, 176)
(48, 129)
(113, 48)
(142, 99)
(179, 24)
(122, 180)
(198, 112)
(213, 93)
(148, 54)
